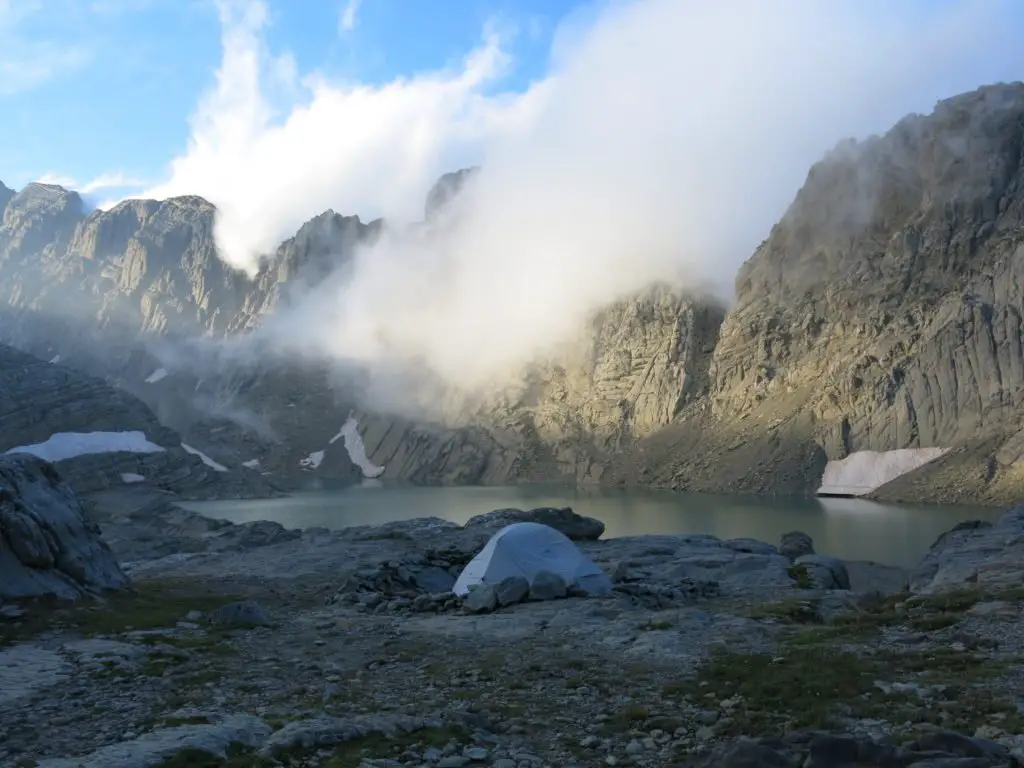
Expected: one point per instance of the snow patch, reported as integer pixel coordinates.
(313, 461)
(355, 448)
(132, 477)
(865, 471)
(68, 445)
(205, 459)
(251, 464)
(157, 375)
(55, 360)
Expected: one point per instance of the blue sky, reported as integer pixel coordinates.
(98, 87)
(276, 110)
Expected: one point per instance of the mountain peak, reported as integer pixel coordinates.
(446, 188)
(6, 195)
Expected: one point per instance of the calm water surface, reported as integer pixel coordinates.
(896, 534)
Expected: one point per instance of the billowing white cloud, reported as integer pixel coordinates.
(347, 17)
(666, 139)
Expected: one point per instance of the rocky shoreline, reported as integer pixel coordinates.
(252, 645)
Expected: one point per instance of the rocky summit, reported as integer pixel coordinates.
(881, 314)
(253, 646)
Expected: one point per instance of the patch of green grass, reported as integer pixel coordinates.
(174, 722)
(625, 719)
(810, 685)
(797, 690)
(801, 576)
(655, 624)
(954, 601)
(149, 605)
(1010, 595)
(352, 754)
(788, 611)
(935, 623)
(213, 642)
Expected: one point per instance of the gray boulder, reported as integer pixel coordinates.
(548, 586)
(576, 527)
(481, 599)
(245, 613)
(796, 544)
(512, 590)
(825, 572)
(975, 553)
(48, 546)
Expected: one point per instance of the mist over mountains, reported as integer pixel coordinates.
(880, 313)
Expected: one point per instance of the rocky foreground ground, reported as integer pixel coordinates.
(252, 645)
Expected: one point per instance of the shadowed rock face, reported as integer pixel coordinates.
(882, 312)
(47, 544)
(38, 400)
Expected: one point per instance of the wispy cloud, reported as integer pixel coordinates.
(347, 17)
(27, 62)
(115, 180)
(25, 65)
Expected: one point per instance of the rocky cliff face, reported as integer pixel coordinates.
(48, 546)
(882, 312)
(149, 266)
(79, 422)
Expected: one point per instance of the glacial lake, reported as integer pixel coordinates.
(853, 529)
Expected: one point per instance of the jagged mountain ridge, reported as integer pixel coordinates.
(149, 265)
(882, 312)
(139, 259)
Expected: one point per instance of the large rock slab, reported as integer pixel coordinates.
(975, 554)
(574, 526)
(48, 546)
(154, 747)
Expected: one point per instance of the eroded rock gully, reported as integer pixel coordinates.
(247, 646)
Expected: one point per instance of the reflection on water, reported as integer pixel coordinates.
(849, 528)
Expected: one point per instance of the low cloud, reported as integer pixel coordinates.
(665, 140)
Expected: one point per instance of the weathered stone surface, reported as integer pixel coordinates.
(245, 613)
(154, 747)
(976, 553)
(511, 590)
(574, 526)
(48, 546)
(483, 598)
(662, 671)
(548, 586)
(796, 544)
(39, 399)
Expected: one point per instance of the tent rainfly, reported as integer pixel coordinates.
(526, 549)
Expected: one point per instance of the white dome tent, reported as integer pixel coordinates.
(526, 549)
